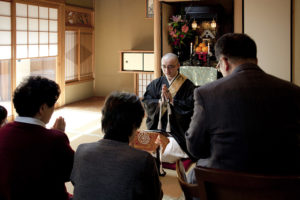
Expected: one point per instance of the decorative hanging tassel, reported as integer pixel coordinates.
(168, 129)
(161, 171)
(159, 127)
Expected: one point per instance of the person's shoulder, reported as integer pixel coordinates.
(55, 134)
(212, 85)
(282, 81)
(284, 87)
(87, 146)
(155, 84)
(8, 126)
(189, 82)
(142, 155)
(138, 151)
(157, 80)
(142, 158)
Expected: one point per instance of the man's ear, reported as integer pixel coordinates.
(227, 64)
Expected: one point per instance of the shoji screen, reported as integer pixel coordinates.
(142, 80)
(71, 70)
(5, 56)
(79, 56)
(36, 41)
(86, 53)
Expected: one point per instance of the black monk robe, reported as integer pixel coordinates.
(181, 110)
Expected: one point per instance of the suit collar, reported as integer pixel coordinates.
(246, 66)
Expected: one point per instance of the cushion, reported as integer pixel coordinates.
(185, 161)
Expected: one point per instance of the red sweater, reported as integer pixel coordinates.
(35, 162)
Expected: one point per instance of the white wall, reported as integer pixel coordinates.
(268, 22)
(80, 91)
(119, 25)
(296, 43)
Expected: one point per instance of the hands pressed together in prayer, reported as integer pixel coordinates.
(59, 124)
(166, 94)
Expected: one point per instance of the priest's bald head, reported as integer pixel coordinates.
(170, 65)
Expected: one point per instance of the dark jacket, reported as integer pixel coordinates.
(247, 121)
(109, 169)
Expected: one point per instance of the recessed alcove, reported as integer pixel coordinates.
(204, 12)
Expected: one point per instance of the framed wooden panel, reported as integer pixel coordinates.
(149, 8)
(149, 62)
(136, 61)
(76, 16)
(132, 61)
(80, 55)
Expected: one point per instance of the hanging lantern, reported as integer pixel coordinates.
(213, 24)
(194, 25)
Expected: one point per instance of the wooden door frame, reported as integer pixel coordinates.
(60, 5)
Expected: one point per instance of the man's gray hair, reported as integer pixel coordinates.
(169, 56)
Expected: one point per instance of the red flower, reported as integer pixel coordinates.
(178, 32)
(173, 34)
(176, 42)
(185, 28)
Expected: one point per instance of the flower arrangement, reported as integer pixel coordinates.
(179, 31)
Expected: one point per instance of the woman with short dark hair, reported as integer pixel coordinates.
(110, 168)
(35, 161)
(122, 113)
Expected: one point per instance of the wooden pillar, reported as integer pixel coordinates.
(157, 38)
(238, 16)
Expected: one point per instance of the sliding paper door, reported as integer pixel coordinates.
(5, 56)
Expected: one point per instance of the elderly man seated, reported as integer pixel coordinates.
(169, 103)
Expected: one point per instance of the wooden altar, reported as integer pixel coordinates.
(199, 75)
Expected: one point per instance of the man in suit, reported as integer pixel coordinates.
(35, 161)
(248, 120)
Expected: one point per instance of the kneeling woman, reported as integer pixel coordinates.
(110, 168)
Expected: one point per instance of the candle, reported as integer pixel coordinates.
(191, 49)
(208, 49)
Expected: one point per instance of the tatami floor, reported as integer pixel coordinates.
(83, 125)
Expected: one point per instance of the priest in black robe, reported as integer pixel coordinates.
(170, 98)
